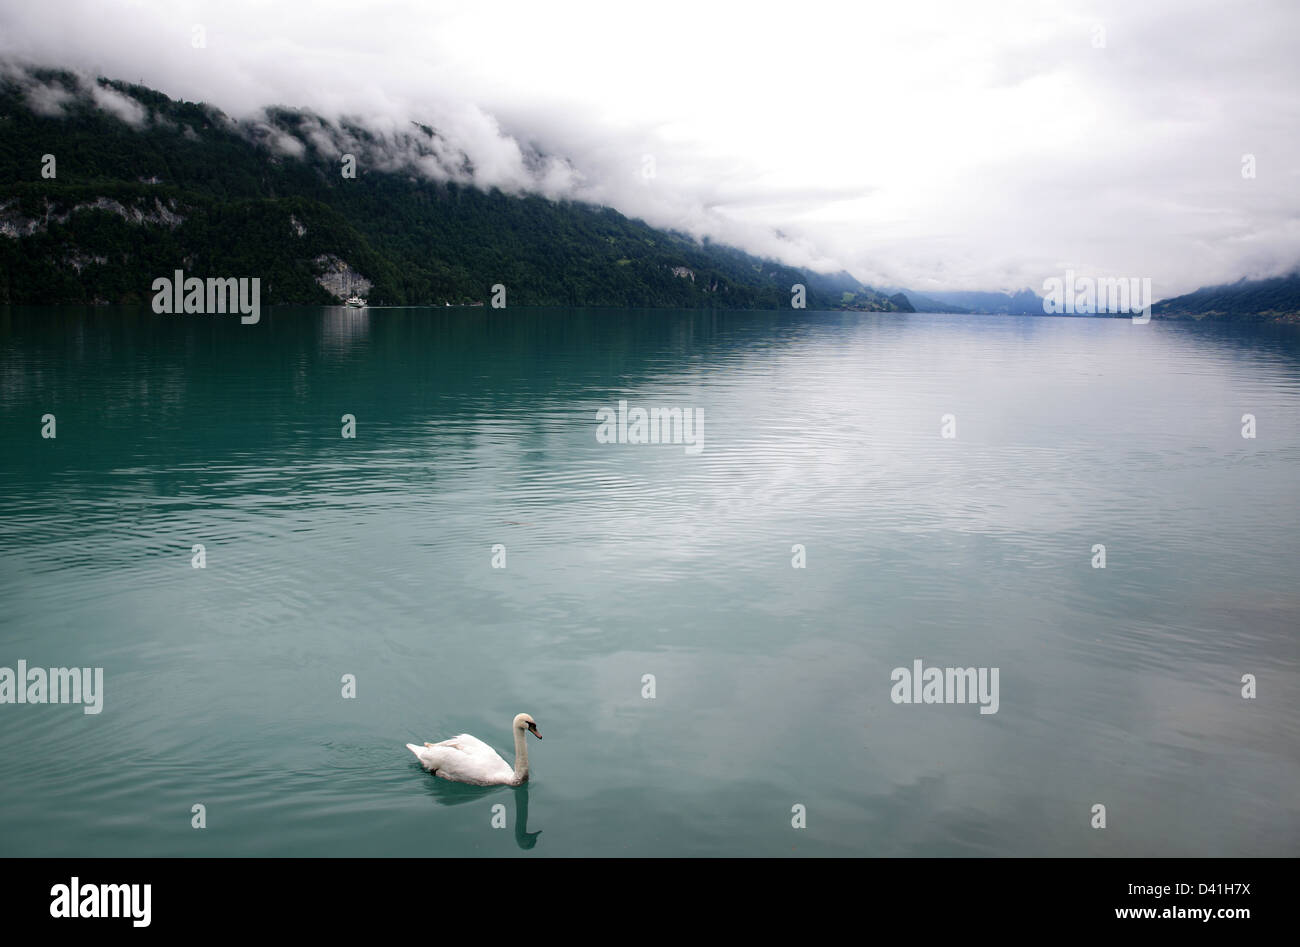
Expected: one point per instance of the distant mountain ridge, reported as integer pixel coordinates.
(1024, 302)
(1276, 299)
(143, 185)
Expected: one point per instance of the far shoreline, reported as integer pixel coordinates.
(1259, 319)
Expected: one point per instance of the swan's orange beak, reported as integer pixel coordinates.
(532, 728)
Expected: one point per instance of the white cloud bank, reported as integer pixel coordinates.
(936, 145)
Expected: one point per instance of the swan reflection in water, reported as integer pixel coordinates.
(455, 794)
(523, 838)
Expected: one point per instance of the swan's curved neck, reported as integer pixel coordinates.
(521, 755)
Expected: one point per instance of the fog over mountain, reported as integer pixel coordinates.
(938, 146)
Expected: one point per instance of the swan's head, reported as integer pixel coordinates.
(525, 722)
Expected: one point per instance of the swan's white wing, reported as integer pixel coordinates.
(465, 759)
(468, 743)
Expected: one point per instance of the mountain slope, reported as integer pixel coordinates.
(1276, 299)
(153, 185)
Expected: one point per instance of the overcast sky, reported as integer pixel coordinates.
(932, 145)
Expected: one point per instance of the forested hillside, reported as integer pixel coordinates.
(1276, 299)
(160, 185)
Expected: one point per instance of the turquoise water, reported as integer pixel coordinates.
(373, 556)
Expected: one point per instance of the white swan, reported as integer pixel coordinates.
(467, 759)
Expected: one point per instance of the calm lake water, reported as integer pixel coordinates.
(373, 557)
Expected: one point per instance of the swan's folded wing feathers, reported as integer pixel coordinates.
(430, 757)
(467, 743)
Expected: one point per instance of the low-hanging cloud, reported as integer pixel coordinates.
(122, 106)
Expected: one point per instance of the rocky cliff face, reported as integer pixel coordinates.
(339, 278)
(14, 225)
